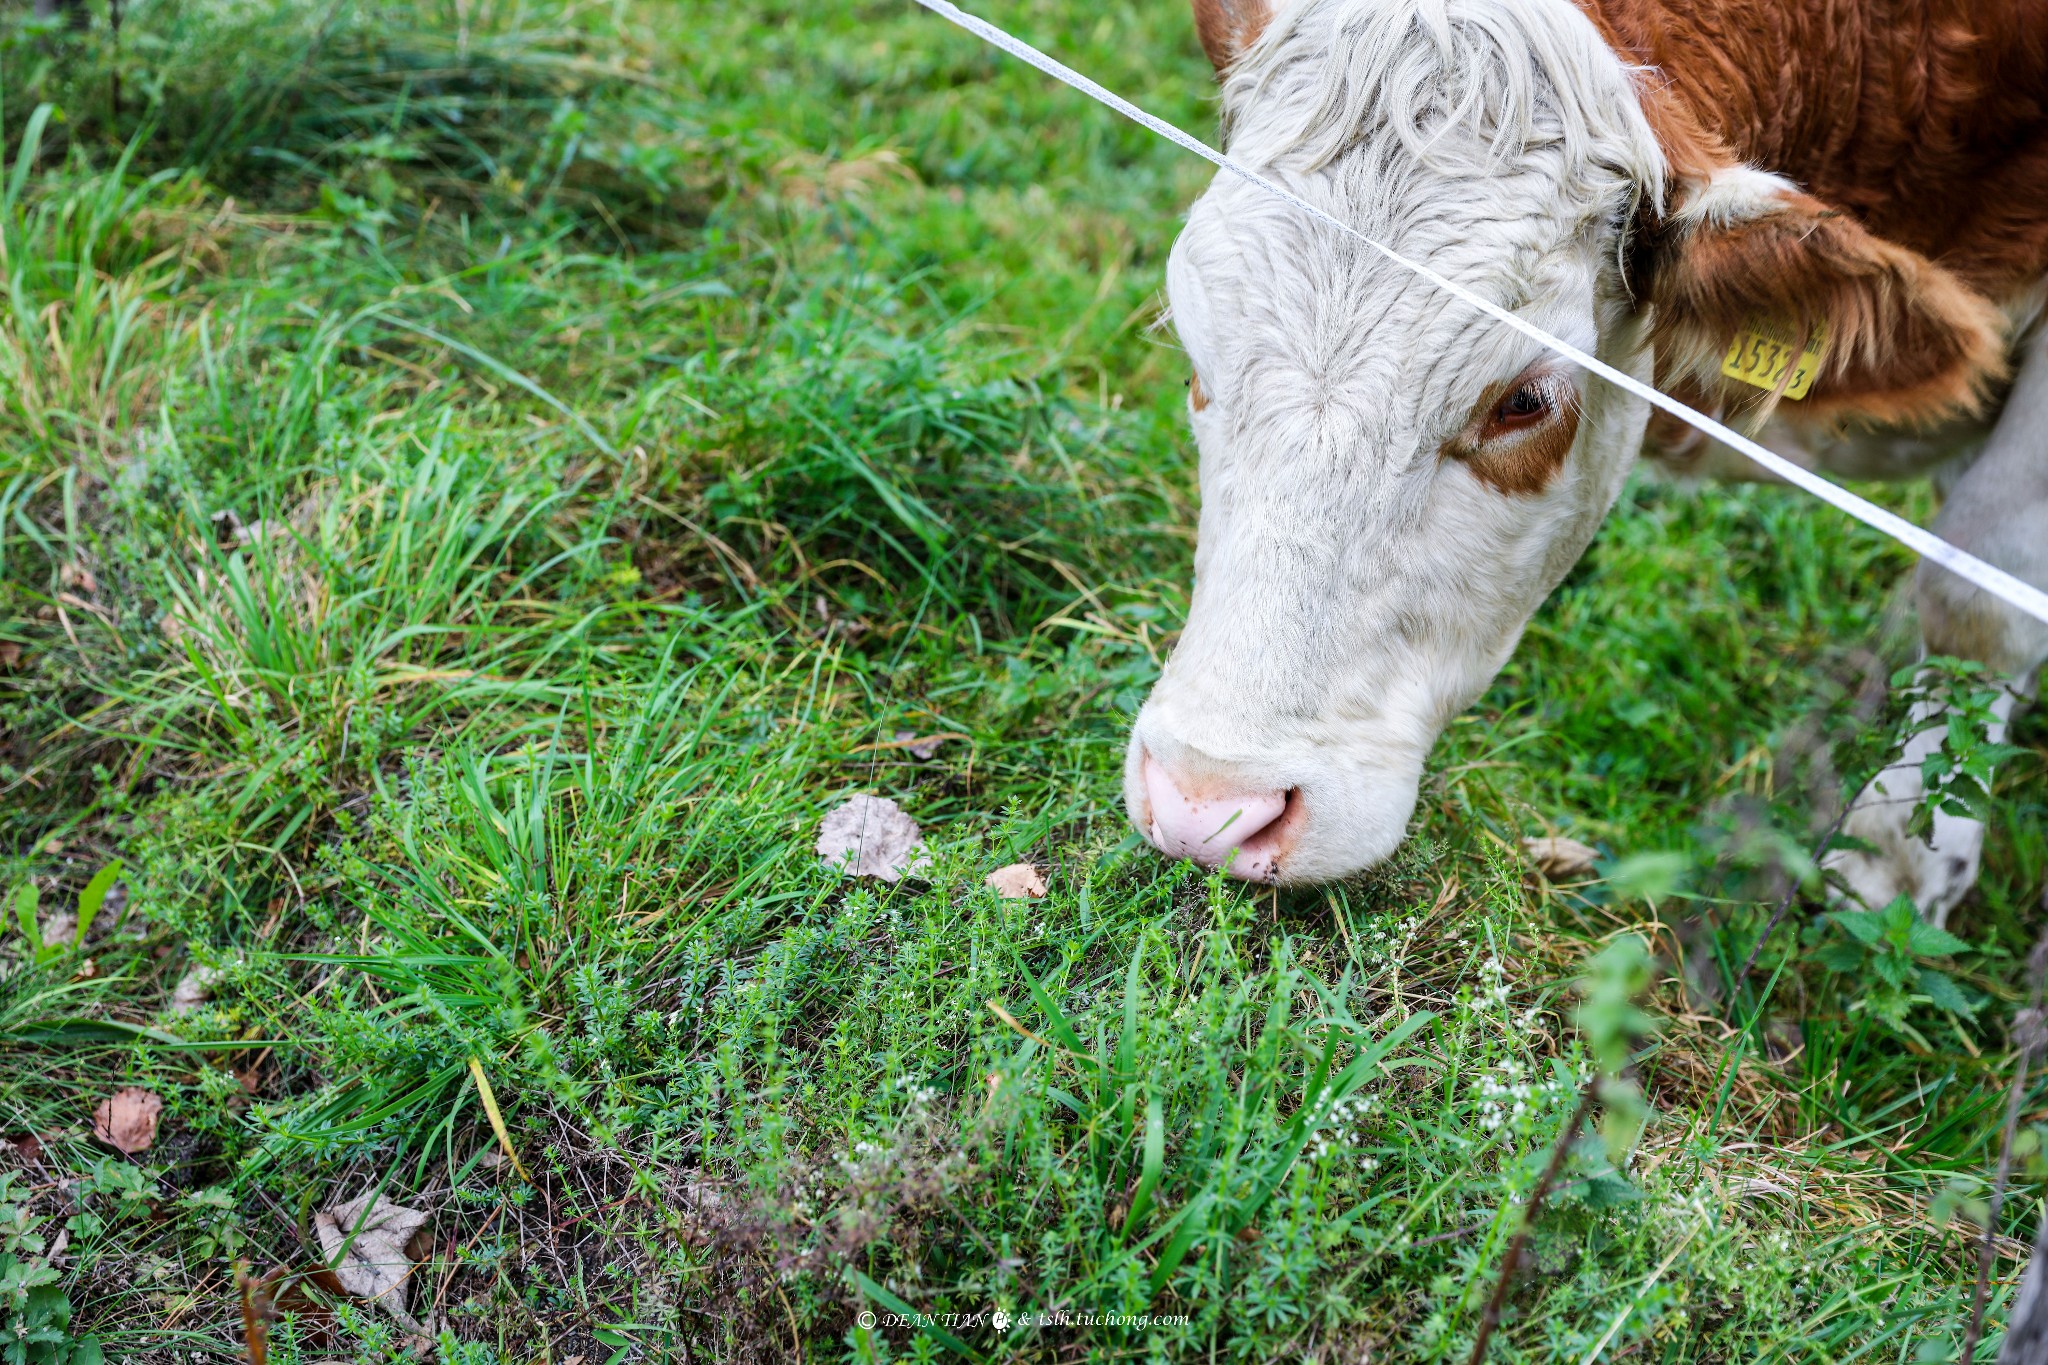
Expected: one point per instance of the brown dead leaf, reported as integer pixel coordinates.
(923, 748)
(28, 1148)
(284, 1289)
(194, 989)
(421, 1244)
(364, 1240)
(59, 926)
(1559, 858)
(10, 654)
(1018, 881)
(870, 836)
(126, 1120)
(232, 531)
(325, 1278)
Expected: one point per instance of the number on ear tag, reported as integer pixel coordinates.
(1760, 355)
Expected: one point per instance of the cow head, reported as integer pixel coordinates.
(1391, 483)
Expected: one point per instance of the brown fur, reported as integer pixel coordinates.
(1924, 119)
(1517, 463)
(1907, 340)
(1228, 27)
(1918, 129)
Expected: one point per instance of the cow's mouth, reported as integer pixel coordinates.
(1245, 833)
(1259, 857)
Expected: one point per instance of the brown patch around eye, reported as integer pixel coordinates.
(1196, 397)
(1512, 450)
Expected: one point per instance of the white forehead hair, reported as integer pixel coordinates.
(1500, 140)
(1462, 85)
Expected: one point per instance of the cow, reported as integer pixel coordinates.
(1824, 220)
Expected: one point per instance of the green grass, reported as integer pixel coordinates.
(479, 482)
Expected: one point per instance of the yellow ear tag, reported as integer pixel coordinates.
(1760, 355)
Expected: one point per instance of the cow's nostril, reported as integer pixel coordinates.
(1210, 826)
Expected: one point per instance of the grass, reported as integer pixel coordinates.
(478, 482)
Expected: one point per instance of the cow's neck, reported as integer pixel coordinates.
(1924, 118)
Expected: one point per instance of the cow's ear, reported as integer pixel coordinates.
(1744, 254)
(1228, 27)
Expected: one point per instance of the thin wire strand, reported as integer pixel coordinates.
(1992, 579)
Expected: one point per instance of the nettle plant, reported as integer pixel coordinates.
(1888, 949)
(35, 1313)
(1885, 950)
(1956, 775)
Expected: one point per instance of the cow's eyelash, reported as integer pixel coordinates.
(1559, 392)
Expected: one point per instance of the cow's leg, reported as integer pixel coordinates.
(1997, 510)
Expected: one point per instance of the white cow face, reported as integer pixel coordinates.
(1390, 482)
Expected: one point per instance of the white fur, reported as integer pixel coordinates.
(1732, 194)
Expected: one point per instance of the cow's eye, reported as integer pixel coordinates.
(1525, 406)
(1517, 443)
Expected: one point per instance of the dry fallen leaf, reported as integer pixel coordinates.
(232, 531)
(59, 926)
(870, 836)
(701, 1196)
(924, 749)
(194, 989)
(126, 1120)
(364, 1241)
(235, 533)
(1018, 881)
(10, 654)
(1558, 857)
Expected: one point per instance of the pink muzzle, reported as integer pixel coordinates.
(1242, 829)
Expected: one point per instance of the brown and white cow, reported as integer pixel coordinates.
(1392, 483)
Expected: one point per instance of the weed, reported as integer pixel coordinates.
(37, 1312)
(1956, 774)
